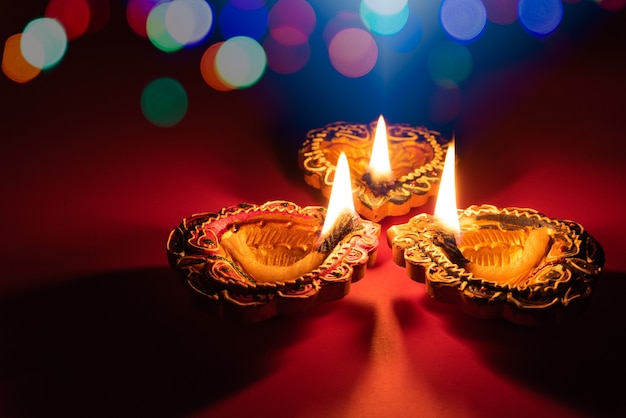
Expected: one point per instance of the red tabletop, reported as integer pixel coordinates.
(93, 322)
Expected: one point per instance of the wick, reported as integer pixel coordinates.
(377, 186)
(345, 224)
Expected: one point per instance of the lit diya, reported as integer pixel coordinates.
(510, 263)
(393, 168)
(252, 262)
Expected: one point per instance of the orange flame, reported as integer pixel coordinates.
(380, 167)
(340, 201)
(445, 208)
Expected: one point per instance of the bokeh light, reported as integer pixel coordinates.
(157, 29)
(74, 15)
(137, 12)
(386, 23)
(342, 20)
(164, 102)
(240, 62)
(14, 65)
(540, 17)
(449, 62)
(353, 52)
(43, 42)
(463, 20)
(208, 68)
(291, 22)
(502, 12)
(286, 59)
(407, 39)
(239, 18)
(188, 21)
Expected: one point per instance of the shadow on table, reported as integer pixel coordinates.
(130, 344)
(578, 362)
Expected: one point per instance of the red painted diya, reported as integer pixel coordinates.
(416, 157)
(511, 263)
(252, 262)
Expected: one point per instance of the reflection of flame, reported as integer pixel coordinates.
(340, 201)
(445, 208)
(380, 167)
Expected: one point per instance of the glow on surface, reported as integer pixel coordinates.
(463, 20)
(286, 59)
(14, 66)
(164, 102)
(540, 17)
(209, 70)
(243, 19)
(74, 15)
(43, 42)
(291, 22)
(188, 21)
(449, 61)
(340, 201)
(353, 52)
(445, 208)
(384, 24)
(157, 29)
(240, 61)
(379, 166)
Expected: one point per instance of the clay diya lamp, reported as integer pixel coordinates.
(249, 262)
(393, 169)
(511, 263)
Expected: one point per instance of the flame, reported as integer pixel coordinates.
(380, 167)
(445, 208)
(340, 201)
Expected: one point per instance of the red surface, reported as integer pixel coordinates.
(94, 323)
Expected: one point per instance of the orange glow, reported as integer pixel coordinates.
(340, 201)
(14, 65)
(445, 208)
(380, 167)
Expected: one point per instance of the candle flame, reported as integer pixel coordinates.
(380, 167)
(340, 201)
(445, 208)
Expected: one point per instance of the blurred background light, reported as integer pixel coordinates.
(164, 102)
(43, 42)
(74, 15)
(240, 62)
(291, 22)
(384, 18)
(463, 20)
(540, 17)
(353, 52)
(188, 21)
(14, 65)
(208, 68)
(157, 30)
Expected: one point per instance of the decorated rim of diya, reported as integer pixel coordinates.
(416, 156)
(252, 262)
(537, 270)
